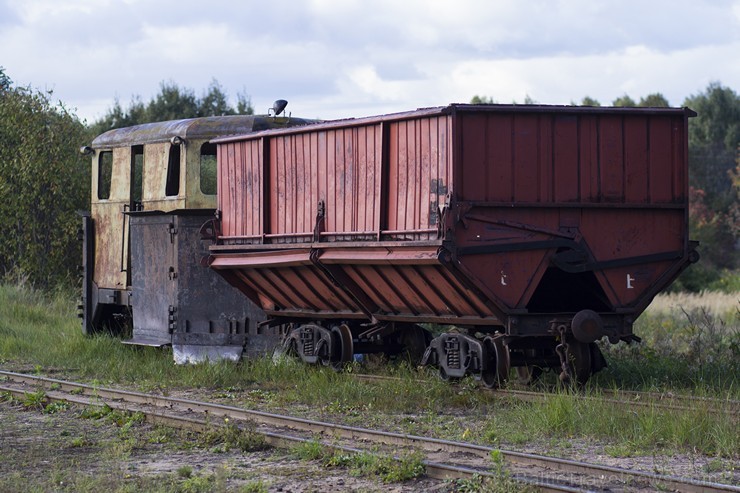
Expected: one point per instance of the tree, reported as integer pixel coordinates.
(589, 101)
(655, 100)
(173, 103)
(714, 136)
(214, 102)
(714, 157)
(624, 101)
(482, 100)
(43, 181)
(4, 80)
(244, 104)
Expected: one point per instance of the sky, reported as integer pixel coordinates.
(350, 58)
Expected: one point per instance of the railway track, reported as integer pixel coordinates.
(544, 473)
(660, 400)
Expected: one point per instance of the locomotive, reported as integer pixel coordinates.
(153, 187)
(474, 238)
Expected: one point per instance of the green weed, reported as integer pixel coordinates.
(388, 469)
(310, 450)
(79, 442)
(485, 484)
(363, 464)
(55, 407)
(254, 487)
(232, 436)
(35, 400)
(198, 484)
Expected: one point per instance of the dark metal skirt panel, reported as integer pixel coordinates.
(176, 300)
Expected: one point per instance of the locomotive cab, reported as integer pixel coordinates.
(153, 187)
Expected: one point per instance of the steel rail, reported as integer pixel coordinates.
(348, 432)
(432, 469)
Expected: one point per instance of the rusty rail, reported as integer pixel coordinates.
(123, 399)
(86, 394)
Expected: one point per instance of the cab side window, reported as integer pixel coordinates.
(208, 169)
(137, 173)
(172, 188)
(105, 172)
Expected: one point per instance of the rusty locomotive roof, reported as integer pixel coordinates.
(192, 128)
(459, 107)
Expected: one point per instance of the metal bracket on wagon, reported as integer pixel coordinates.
(210, 230)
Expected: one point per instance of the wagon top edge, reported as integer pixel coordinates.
(192, 128)
(453, 108)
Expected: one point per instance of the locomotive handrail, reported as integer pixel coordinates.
(124, 249)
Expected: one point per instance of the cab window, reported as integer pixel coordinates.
(105, 172)
(137, 173)
(172, 188)
(208, 169)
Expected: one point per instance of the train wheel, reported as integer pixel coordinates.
(415, 340)
(328, 348)
(343, 346)
(529, 374)
(579, 359)
(499, 364)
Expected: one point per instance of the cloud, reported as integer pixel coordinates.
(352, 58)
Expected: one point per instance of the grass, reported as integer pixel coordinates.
(691, 343)
(364, 464)
(725, 306)
(691, 348)
(230, 436)
(628, 431)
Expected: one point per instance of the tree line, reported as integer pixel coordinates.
(44, 181)
(172, 103)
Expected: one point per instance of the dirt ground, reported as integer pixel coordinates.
(65, 452)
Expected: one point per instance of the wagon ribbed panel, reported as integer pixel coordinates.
(409, 282)
(289, 280)
(419, 175)
(301, 289)
(240, 187)
(403, 290)
(340, 167)
(570, 157)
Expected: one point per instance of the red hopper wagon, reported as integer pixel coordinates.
(526, 232)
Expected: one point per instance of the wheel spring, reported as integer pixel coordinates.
(452, 351)
(307, 341)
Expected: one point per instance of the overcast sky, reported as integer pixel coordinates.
(349, 58)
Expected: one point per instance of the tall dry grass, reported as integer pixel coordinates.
(725, 306)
